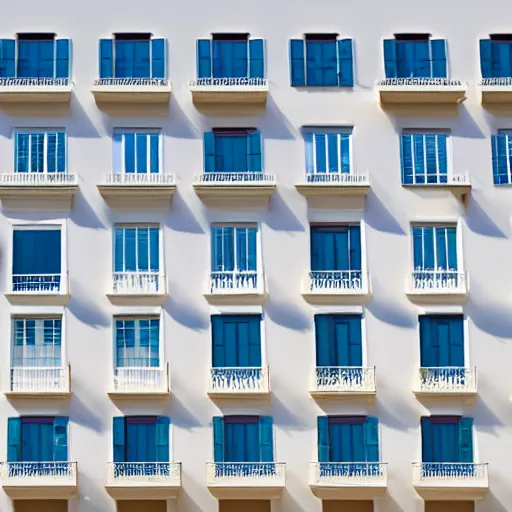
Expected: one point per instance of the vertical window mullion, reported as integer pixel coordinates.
(314, 154)
(235, 252)
(424, 139)
(326, 153)
(338, 142)
(438, 176)
(136, 248)
(413, 159)
(148, 153)
(434, 236)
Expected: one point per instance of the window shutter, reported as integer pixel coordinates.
(254, 150)
(466, 439)
(60, 439)
(228, 248)
(345, 152)
(320, 141)
(61, 152)
(345, 66)
(21, 151)
(154, 156)
(119, 435)
(322, 333)
(494, 152)
(499, 145)
(417, 247)
(317, 250)
(218, 342)
(209, 152)
(62, 53)
(355, 340)
(390, 58)
(441, 153)
(141, 142)
(216, 255)
(371, 438)
(154, 249)
(323, 438)
(428, 353)
(333, 152)
(106, 58)
(308, 143)
(255, 341)
(427, 449)
(421, 59)
(438, 52)
(429, 261)
(162, 438)
(406, 158)
(218, 439)
(119, 250)
(456, 345)
(7, 58)
(256, 58)
(355, 247)
(486, 58)
(204, 58)
(451, 235)
(504, 63)
(14, 439)
(252, 235)
(297, 74)
(158, 58)
(266, 440)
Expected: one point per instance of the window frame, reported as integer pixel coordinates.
(114, 55)
(508, 133)
(118, 161)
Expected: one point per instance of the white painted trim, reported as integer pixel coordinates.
(338, 216)
(440, 310)
(37, 310)
(341, 309)
(236, 310)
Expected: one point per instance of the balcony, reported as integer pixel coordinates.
(246, 480)
(410, 91)
(131, 90)
(458, 184)
(337, 287)
(334, 185)
(138, 191)
(239, 189)
(136, 288)
(239, 383)
(40, 480)
(348, 481)
(147, 382)
(236, 287)
(450, 481)
(40, 382)
(39, 289)
(229, 90)
(344, 382)
(438, 286)
(143, 480)
(446, 382)
(38, 190)
(496, 90)
(35, 90)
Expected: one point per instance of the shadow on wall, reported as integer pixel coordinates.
(485, 419)
(182, 219)
(84, 309)
(92, 498)
(182, 417)
(388, 504)
(83, 215)
(285, 416)
(287, 313)
(91, 417)
(385, 309)
(81, 125)
(378, 216)
(479, 221)
(397, 414)
(182, 307)
(280, 217)
(275, 125)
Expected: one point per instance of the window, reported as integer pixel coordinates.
(40, 151)
(36, 261)
(137, 342)
(38, 439)
(230, 56)
(415, 58)
(133, 56)
(441, 341)
(136, 152)
(236, 341)
(435, 247)
(496, 56)
(327, 150)
(243, 439)
(424, 158)
(137, 249)
(502, 157)
(141, 439)
(234, 248)
(233, 151)
(335, 248)
(321, 60)
(37, 342)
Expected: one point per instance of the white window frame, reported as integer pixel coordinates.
(508, 133)
(118, 149)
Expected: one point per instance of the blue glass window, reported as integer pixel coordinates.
(327, 151)
(137, 342)
(137, 249)
(136, 152)
(335, 248)
(496, 58)
(435, 247)
(40, 151)
(501, 145)
(37, 342)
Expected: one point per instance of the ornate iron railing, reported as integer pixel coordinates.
(138, 283)
(420, 82)
(456, 473)
(34, 179)
(38, 283)
(338, 178)
(235, 178)
(32, 379)
(239, 380)
(132, 82)
(347, 379)
(141, 380)
(38, 473)
(439, 281)
(245, 474)
(230, 82)
(142, 179)
(34, 82)
(337, 281)
(348, 474)
(160, 473)
(447, 380)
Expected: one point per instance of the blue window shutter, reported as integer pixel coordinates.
(62, 54)
(119, 250)
(154, 249)
(320, 141)
(355, 340)
(345, 66)
(218, 439)
(486, 58)
(428, 249)
(266, 439)
(162, 438)
(252, 262)
(218, 342)
(119, 437)
(154, 157)
(345, 152)
(417, 247)
(355, 247)
(332, 152)
(438, 52)
(317, 250)
(256, 58)
(209, 152)
(228, 248)
(255, 341)
(451, 235)
(466, 440)
(60, 439)
(21, 152)
(456, 348)
(13, 439)
(254, 145)
(129, 153)
(216, 255)
(390, 58)
(504, 145)
(44, 243)
(297, 74)
(106, 58)
(323, 438)
(441, 247)
(371, 438)
(427, 449)
(7, 58)
(142, 250)
(141, 140)
(308, 143)
(421, 64)
(61, 152)
(494, 152)
(442, 154)
(429, 342)
(406, 158)
(204, 58)
(504, 60)
(158, 58)
(322, 335)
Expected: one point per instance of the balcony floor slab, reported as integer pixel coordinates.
(139, 395)
(357, 396)
(346, 492)
(38, 395)
(40, 299)
(451, 493)
(241, 492)
(137, 299)
(138, 491)
(138, 197)
(325, 299)
(234, 299)
(41, 491)
(437, 298)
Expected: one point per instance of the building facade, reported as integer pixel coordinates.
(246, 259)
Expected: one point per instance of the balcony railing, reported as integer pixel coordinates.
(420, 82)
(449, 473)
(439, 282)
(139, 179)
(337, 379)
(141, 380)
(38, 179)
(132, 82)
(338, 178)
(38, 283)
(235, 178)
(236, 281)
(235, 83)
(135, 283)
(337, 282)
(38, 473)
(141, 473)
(40, 380)
(348, 474)
(239, 381)
(34, 82)
(452, 180)
(447, 380)
(245, 474)
(496, 82)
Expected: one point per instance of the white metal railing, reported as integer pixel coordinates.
(34, 179)
(452, 379)
(235, 281)
(239, 380)
(134, 283)
(347, 379)
(140, 473)
(40, 379)
(450, 474)
(337, 281)
(39, 283)
(33, 82)
(38, 473)
(235, 178)
(338, 178)
(420, 82)
(142, 179)
(140, 82)
(459, 179)
(237, 83)
(439, 281)
(245, 474)
(497, 82)
(141, 380)
(360, 474)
